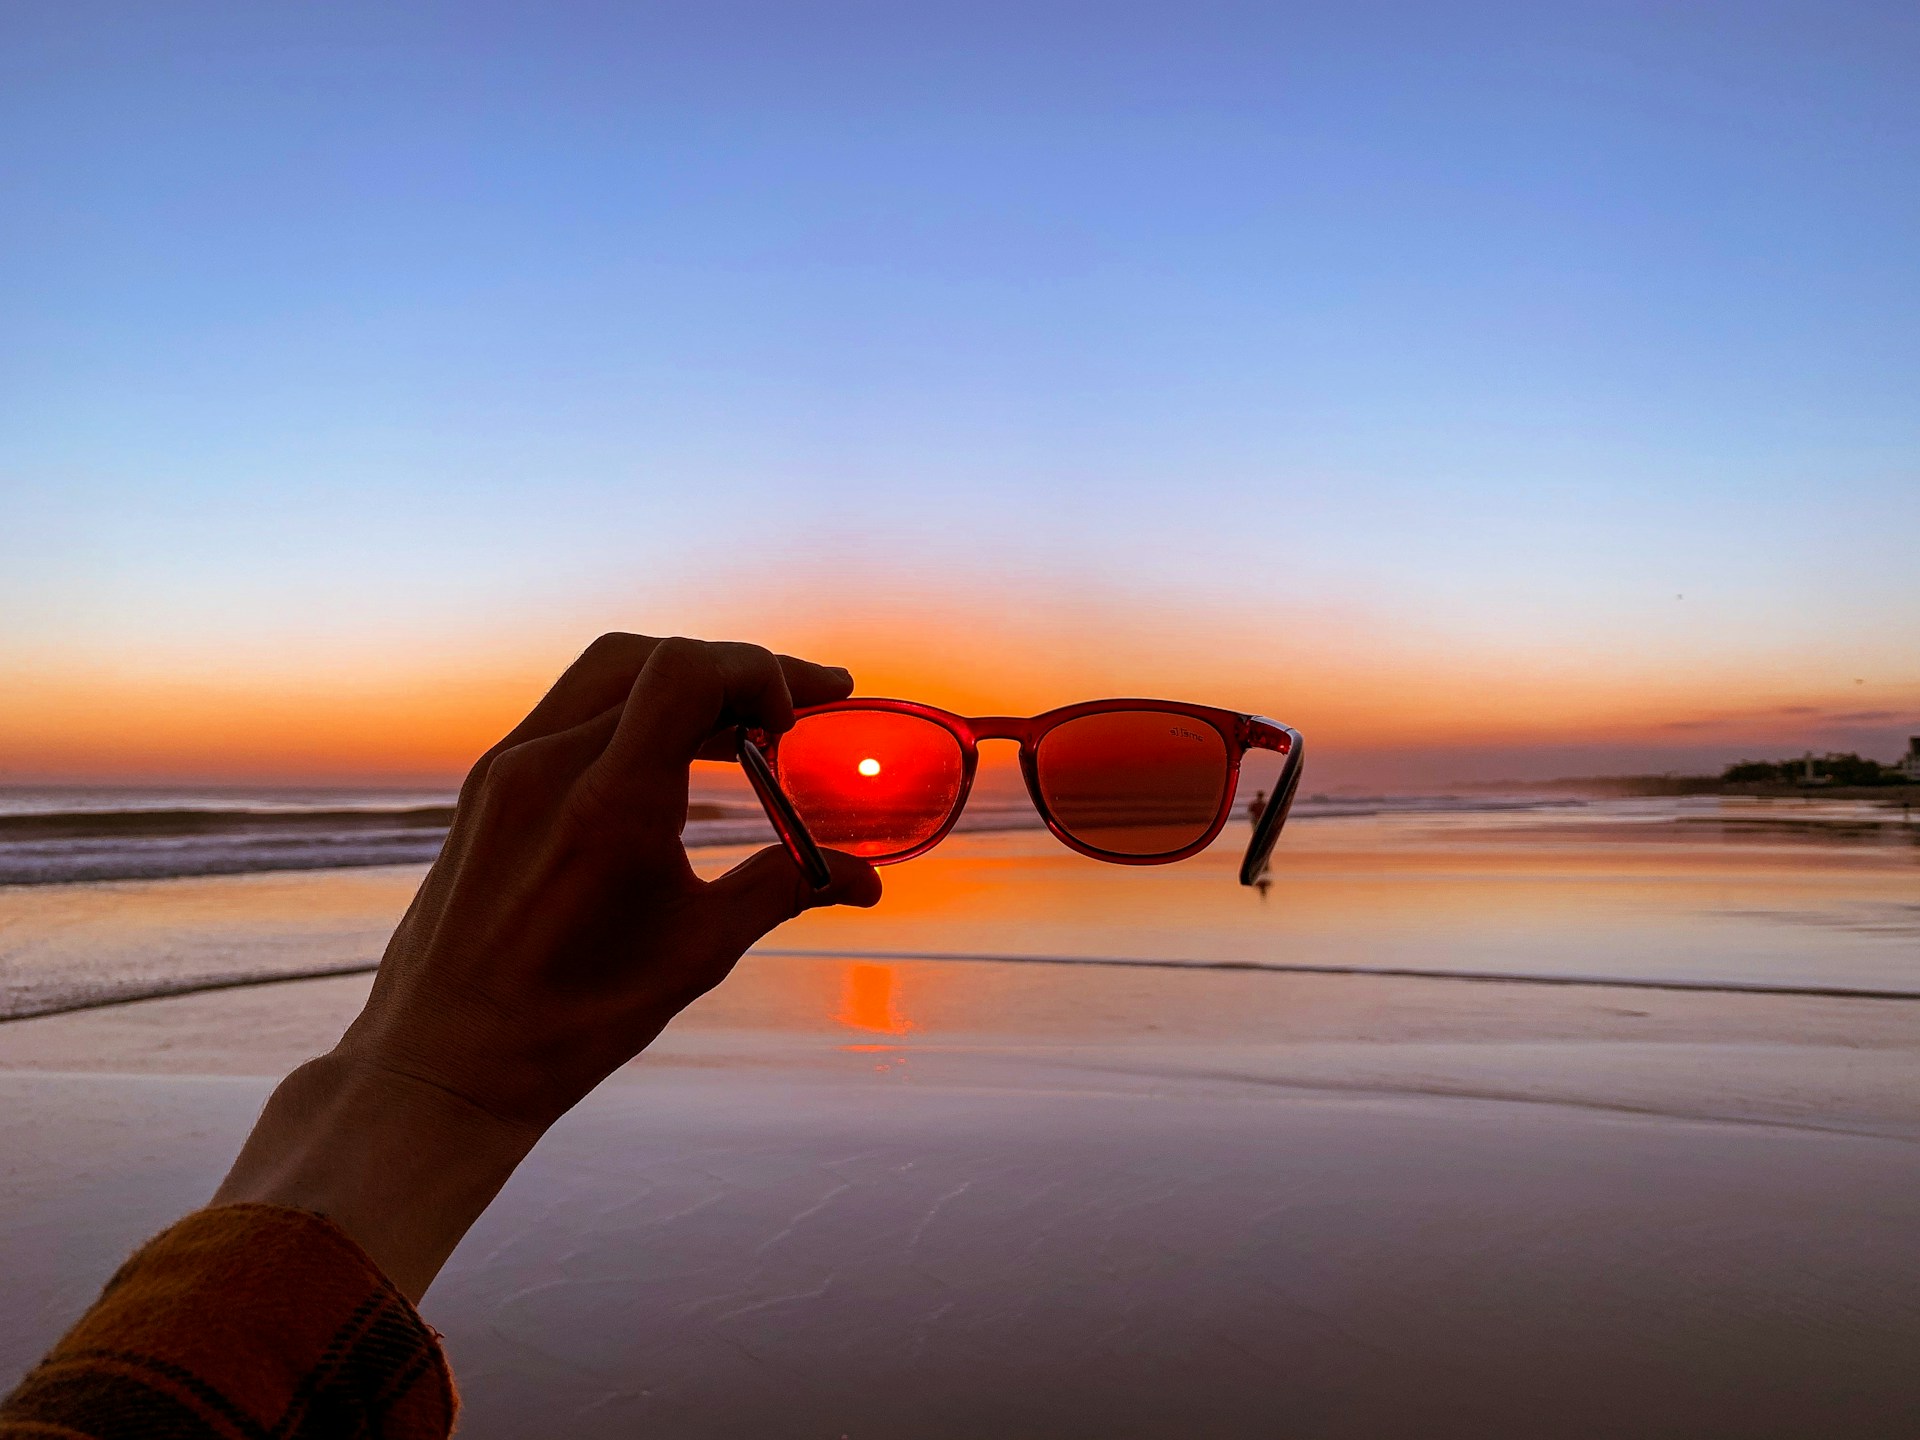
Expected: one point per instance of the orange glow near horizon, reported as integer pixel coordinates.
(430, 727)
(1411, 401)
(1356, 686)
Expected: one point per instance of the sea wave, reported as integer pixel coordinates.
(85, 845)
(77, 846)
(64, 847)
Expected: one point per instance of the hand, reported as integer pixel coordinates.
(561, 928)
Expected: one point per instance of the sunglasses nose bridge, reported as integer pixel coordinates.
(1001, 727)
(1015, 730)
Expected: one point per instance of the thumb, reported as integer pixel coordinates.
(767, 889)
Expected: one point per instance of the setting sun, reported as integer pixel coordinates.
(868, 767)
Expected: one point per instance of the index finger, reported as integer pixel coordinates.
(807, 684)
(605, 672)
(689, 690)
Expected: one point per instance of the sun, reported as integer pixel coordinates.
(868, 767)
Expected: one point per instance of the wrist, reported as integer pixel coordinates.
(401, 1165)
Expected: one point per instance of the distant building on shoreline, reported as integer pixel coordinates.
(1809, 770)
(1909, 763)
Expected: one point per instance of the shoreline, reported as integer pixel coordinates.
(166, 990)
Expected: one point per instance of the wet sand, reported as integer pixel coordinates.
(1362, 1207)
(846, 1196)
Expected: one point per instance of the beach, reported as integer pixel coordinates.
(1538, 1119)
(1481, 437)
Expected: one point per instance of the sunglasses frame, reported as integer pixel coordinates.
(1241, 733)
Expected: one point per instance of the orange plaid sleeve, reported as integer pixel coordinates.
(242, 1322)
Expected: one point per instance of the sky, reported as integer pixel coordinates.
(1488, 390)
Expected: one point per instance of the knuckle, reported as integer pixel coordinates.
(514, 769)
(613, 652)
(686, 661)
(749, 658)
(613, 645)
(476, 780)
(757, 677)
(681, 647)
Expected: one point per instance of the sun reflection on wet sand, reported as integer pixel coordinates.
(870, 1002)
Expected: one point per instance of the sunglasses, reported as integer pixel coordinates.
(1134, 782)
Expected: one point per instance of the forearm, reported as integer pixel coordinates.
(401, 1166)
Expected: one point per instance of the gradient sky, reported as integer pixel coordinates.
(1487, 389)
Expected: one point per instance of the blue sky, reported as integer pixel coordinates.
(1494, 330)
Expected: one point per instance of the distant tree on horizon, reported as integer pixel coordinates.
(1835, 769)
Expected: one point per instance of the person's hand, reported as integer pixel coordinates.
(561, 928)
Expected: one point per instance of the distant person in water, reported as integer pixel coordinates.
(1257, 806)
(557, 934)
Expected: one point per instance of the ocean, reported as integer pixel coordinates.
(114, 895)
(56, 835)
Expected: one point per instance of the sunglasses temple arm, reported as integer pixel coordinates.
(1266, 735)
(786, 820)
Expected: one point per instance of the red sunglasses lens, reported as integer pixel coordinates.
(871, 782)
(1134, 782)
